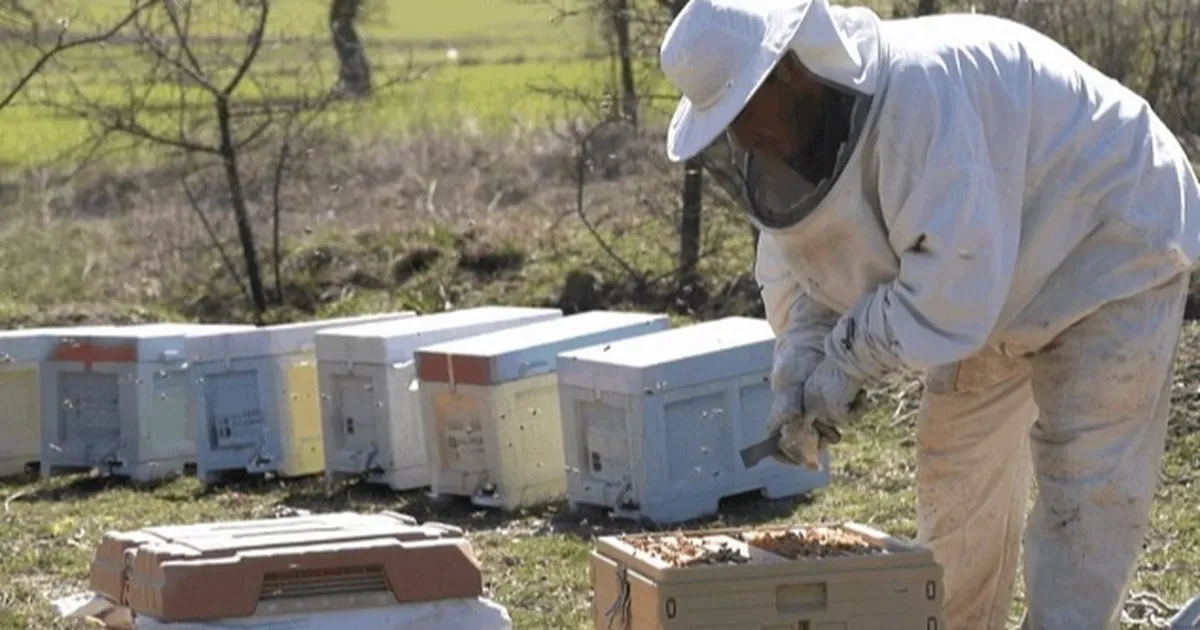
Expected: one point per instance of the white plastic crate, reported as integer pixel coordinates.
(117, 400)
(369, 402)
(491, 411)
(21, 355)
(653, 426)
(254, 398)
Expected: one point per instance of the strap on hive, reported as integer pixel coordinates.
(623, 602)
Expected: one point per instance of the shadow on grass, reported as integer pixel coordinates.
(316, 495)
(75, 486)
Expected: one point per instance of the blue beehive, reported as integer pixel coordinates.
(653, 426)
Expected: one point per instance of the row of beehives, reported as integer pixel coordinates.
(510, 406)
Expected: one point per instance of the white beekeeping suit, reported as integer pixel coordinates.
(1005, 218)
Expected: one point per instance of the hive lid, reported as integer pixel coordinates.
(228, 569)
(131, 344)
(528, 350)
(393, 342)
(267, 341)
(680, 357)
(33, 345)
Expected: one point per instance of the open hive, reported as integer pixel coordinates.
(281, 566)
(820, 577)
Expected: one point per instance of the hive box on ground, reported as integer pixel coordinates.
(653, 426)
(117, 400)
(254, 399)
(21, 355)
(284, 566)
(842, 577)
(369, 390)
(491, 411)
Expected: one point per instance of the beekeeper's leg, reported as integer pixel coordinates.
(1103, 388)
(973, 475)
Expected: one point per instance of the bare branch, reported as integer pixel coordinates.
(62, 45)
(256, 41)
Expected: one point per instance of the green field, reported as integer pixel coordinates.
(504, 48)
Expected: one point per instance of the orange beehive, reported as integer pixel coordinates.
(287, 565)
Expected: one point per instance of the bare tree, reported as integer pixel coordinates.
(235, 128)
(18, 21)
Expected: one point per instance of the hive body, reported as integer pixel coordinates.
(369, 391)
(491, 408)
(21, 355)
(653, 426)
(116, 400)
(283, 566)
(254, 399)
(897, 590)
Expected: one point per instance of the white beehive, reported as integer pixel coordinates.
(21, 355)
(369, 390)
(254, 398)
(491, 411)
(117, 400)
(653, 426)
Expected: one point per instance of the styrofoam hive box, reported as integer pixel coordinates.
(254, 398)
(653, 426)
(491, 410)
(22, 353)
(845, 577)
(117, 400)
(1188, 617)
(369, 390)
(312, 563)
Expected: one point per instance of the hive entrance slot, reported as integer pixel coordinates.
(323, 582)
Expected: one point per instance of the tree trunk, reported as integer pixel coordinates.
(927, 7)
(619, 13)
(692, 201)
(354, 74)
(237, 198)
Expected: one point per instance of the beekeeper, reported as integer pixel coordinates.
(961, 195)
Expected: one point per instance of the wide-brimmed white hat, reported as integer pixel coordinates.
(718, 53)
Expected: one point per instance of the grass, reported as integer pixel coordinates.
(534, 562)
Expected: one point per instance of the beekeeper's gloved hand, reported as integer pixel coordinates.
(794, 363)
(832, 396)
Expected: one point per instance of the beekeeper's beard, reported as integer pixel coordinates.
(818, 155)
(772, 203)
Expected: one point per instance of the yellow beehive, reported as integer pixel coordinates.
(729, 580)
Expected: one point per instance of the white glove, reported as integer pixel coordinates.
(832, 396)
(805, 419)
(798, 352)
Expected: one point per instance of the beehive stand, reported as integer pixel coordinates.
(490, 406)
(745, 587)
(369, 390)
(21, 355)
(283, 566)
(254, 399)
(653, 426)
(117, 401)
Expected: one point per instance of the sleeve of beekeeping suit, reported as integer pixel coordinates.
(801, 325)
(955, 222)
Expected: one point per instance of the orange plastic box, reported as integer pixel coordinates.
(735, 579)
(289, 565)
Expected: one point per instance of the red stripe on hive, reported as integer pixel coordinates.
(435, 368)
(86, 352)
